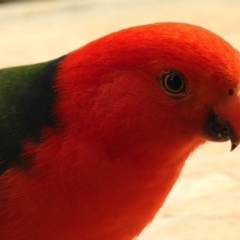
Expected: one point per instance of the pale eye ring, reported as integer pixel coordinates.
(174, 83)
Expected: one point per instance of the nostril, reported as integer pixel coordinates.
(230, 92)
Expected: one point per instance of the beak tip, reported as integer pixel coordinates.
(234, 145)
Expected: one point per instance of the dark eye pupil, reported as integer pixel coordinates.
(174, 82)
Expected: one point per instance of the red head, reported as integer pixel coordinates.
(119, 83)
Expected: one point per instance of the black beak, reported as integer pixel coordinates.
(220, 130)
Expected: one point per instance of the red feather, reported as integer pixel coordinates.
(121, 141)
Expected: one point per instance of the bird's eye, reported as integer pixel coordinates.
(174, 83)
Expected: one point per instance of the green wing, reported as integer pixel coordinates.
(26, 100)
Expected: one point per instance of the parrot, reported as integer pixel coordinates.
(92, 142)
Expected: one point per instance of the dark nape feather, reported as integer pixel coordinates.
(27, 111)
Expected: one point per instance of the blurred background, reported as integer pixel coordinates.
(204, 204)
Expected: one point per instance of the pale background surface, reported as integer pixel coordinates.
(205, 202)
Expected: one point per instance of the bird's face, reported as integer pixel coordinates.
(162, 79)
(200, 78)
(196, 74)
(211, 103)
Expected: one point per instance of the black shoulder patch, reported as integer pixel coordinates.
(28, 110)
